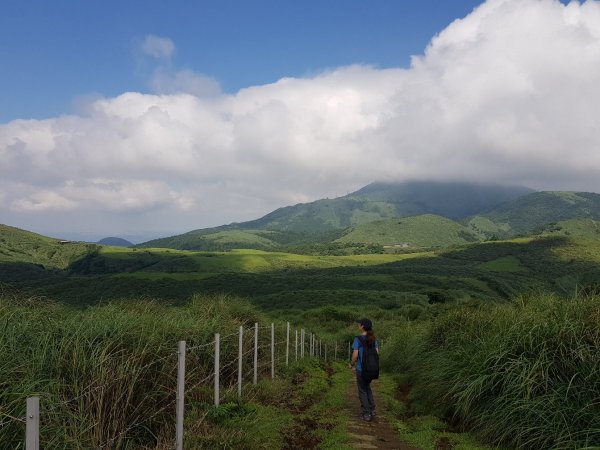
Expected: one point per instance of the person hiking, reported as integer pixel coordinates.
(366, 352)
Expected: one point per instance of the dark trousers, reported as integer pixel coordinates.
(365, 395)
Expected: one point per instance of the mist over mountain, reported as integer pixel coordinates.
(323, 220)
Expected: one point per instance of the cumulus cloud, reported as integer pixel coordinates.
(507, 94)
(158, 47)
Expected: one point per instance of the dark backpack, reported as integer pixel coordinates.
(370, 360)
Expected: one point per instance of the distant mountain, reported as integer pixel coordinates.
(323, 220)
(379, 201)
(427, 230)
(115, 241)
(528, 213)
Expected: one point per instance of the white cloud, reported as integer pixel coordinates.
(158, 47)
(41, 201)
(186, 81)
(507, 94)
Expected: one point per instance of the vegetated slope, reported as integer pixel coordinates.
(426, 230)
(386, 200)
(320, 221)
(521, 375)
(584, 228)
(231, 237)
(20, 246)
(115, 241)
(523, 215)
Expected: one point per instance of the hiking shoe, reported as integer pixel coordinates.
(366, 417)
(373, 415)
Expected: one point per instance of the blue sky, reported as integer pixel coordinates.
(149, 118)
(53, 52)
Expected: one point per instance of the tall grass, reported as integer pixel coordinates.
(525, 374)
(106, 375)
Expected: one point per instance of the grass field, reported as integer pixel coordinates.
(474, 356)
(522, 375)
(495, 271)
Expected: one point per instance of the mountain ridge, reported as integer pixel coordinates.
(323, 219)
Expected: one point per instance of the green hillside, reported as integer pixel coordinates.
(232, 237)
(387, 200)
(322, 220)
(585, 228)
(523, 215)
(21, 246)
(485, 271)
(427, 230)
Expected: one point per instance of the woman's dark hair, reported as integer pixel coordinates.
(370, 337)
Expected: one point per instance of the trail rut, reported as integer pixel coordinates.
(377, 434)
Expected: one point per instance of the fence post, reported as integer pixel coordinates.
(296, 345)
(240, 355)
(287, 345)
(180, 405)
(302, 343)
(335, 352)
(320, 348)
(272, 350)
(217, 368)
(255, 376)
(32, 440)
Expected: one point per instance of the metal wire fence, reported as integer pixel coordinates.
(261, 351)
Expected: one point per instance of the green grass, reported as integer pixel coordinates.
(420, 231)
(117, 361)
(301, 407)
(504, 264)
(25, 247)
(522, 374)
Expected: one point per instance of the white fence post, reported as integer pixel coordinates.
(255, 377)
(217, 366)
(287, 345)
(240, 355)
(296, 345)
(180, 400)
(32, 440)
(272, 350)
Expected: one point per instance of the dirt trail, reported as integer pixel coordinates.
(380, 433)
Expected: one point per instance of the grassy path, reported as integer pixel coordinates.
(378, 434)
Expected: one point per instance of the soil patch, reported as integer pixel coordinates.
(300, 435)
(377, 434)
